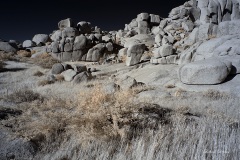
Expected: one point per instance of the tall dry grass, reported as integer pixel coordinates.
(7, 56)
(44, 60)
(96, 125)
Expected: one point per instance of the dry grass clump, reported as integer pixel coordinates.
(7, 56)
(89, 85)
(59, 78)
(211, 37)
(169, 86)
(123, 58)
(56, 78)
(44, 82)
(45, 60)
(94, 114)
(215, 95)
(24, 95)
(33, 52)
(24, 53)
(141, 87)
(96, 125)
(38, 74)
(179, 92)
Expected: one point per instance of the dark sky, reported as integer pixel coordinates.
(22, 19)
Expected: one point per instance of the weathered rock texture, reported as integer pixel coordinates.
(194, 31)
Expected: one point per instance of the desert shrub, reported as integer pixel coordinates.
(24, 95)
(45, 61)
(24, 53)
(38, 74)
(7, 56)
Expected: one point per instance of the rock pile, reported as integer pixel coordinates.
(71, 73)
(195, 31)
(81, 42)
(215, 36)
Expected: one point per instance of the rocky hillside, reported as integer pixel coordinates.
(195, 31)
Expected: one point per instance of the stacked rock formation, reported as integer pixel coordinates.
(195, 31)
(215, 36)
(81, 42)
(163, 38)
(137, 38)
(75, 42)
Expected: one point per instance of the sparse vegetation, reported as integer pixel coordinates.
(45, 60)
(59, 78)
(179, 92)
(96, 125)
(44, 82)
(7, 56)
(33, 52)
(211, 36)
(38, 74)
(23, 95)
(170, 86)
(24, 53)
(215, 95)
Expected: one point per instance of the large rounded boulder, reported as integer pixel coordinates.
(40, 38)
(8, 47)
(65, 23)
(28, 44)
(205, 72)
(70, 32)
(134, 54)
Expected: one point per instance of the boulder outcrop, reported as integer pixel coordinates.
(8, 47)
(205, 72)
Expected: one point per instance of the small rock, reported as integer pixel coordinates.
(93, 70)
(82, 77)
(65, 23)
(84, 27)
(8, 47)
(28, 44)
(79, 68)
(111, 88)
(57, 68)
(69, 75)
(163, 51)
(40, 38)
(51, 78)
(127, 83)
